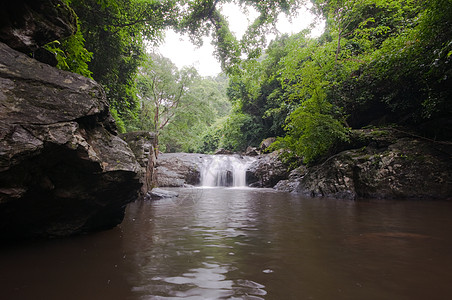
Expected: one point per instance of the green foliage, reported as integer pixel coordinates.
(200, 18)
(237, 132)
(257, 91)
(71, 54)
(114, 31)
(312, 130)
(211, 139)
(119, 122)
(178, 105)
(378, 61)
(405, 77)
(204, 103)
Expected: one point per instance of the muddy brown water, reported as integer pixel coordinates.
(222, 243)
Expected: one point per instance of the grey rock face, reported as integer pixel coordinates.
(179, 169)
(63, 170)
(390, 167)
(267, 170)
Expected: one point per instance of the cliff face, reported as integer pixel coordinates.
(62, 168)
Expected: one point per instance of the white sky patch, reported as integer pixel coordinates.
(182, 52)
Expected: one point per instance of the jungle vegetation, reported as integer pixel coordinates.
(378, 62)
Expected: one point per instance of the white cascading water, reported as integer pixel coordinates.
(225, 170)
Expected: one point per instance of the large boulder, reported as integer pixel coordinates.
(291, 184)
(179, 169)
(391, 166)
(26, 25)
(63, 170)
(267, 170)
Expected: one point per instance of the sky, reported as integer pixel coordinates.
(182, 52)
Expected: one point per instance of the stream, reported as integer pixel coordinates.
(242, 243)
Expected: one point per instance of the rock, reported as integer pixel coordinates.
(407, 169)
(291, 184)
(266, 143)
(26, 25)
(141, 143)
(251, 151)
(222, 151)
(178, 169)
(158, 193)
(267, 170)
(63, 170)
(45, 56)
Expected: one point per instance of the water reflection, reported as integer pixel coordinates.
(245, 244)
(256, 244)
(195, 240)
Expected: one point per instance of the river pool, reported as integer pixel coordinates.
(229, 243)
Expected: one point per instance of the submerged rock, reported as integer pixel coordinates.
(63, 170)
(158, 193)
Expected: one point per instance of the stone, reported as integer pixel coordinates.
(141, 143)
(267, 170)
(158, 193)
(408, 168)
(63, 169)
(26, 25)
(266, 143)
(291, 184)
(178, 169)
(251, 151)
(223, 151)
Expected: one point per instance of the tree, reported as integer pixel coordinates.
(116, 38)
(204, 103)
(162, 88)
(114, 32)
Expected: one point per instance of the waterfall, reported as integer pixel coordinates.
(225, 170)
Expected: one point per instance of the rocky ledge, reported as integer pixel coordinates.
(389, 164)
(63, 170)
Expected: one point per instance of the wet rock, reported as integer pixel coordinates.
(26, 25)
(291, 184)
(63, 170)
(251, 151)
(178, 169)
(409, 168)
(267, 170)
(223, 151)
(158, 193)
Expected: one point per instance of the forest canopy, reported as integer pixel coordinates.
(377, 63)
